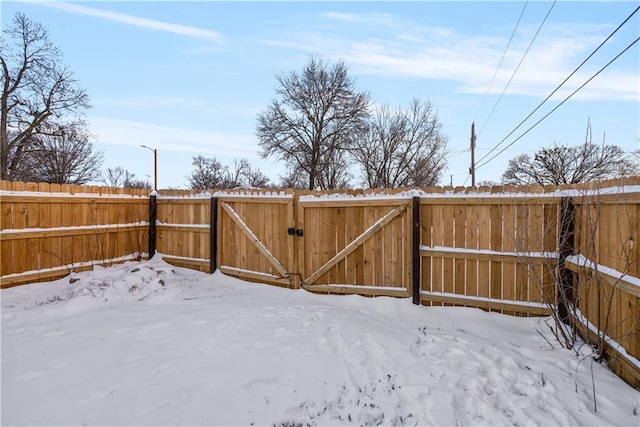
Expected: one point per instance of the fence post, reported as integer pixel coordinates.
(153, 217)
(566, 248)
(213, 236)
(415, 262)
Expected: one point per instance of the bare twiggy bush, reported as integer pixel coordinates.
(584, 283)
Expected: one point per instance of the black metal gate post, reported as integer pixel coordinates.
(213, 236)
(416, 257)
(153, 217)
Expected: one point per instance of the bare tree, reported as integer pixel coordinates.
(335, 171)
(294, 179)
(318, 113)
(560, 165)
(245, 175)
(208, 174)
(234, 177)
(120, 177)
(67, 157)
(254, 178)
(114, 177)
(403, 147)
(488, 183)
(211, 174)
(39, 95)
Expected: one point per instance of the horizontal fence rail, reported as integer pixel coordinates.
(520, 251)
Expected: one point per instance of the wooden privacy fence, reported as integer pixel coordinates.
(518, 251)
(49, 230)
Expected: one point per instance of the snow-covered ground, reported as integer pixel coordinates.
(145, 343)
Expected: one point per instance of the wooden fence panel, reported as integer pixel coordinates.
(460, 241)
(437, 280)
(484, 254)
(354, 261)
(46, 234)
(496, 246)
(448, 222)
(183, 231)
(426, 239)
(472, 236)
(484, 244)
(510, 236)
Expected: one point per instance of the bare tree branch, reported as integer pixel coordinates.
(403, 147)
(65, 157)
(38, 93)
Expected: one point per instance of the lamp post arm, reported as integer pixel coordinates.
(155, 166)
(155, 169)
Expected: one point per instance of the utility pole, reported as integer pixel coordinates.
(472, 169)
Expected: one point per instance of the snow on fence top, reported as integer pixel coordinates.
(240, 192)
(43, 189)
(620, 186)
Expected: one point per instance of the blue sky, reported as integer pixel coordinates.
(189, 78)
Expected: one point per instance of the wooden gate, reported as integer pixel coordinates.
(254, 237)
(355, 245)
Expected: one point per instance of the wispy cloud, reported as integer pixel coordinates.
(184, 104)
(363, 18)
(136, 21)
(126, 132)
(415, 51)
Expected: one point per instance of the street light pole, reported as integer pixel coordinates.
(155, 166)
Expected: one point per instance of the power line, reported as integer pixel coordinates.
(501, 59)
(558, 106)
(559, 86)
(520, 151)
(456, 153)
(518, 67)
